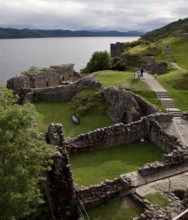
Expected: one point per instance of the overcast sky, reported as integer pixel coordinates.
(121, 15)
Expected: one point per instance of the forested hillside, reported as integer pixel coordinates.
(172, 29)
(9, 33)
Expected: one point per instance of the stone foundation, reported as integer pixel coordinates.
(63, 197)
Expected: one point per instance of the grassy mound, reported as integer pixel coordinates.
(88, 101)
(96, 166)
(89, 105)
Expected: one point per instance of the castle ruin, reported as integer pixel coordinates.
(116, 49)
(133, 119)
(44, 78)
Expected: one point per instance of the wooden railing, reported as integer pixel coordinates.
(182, 216)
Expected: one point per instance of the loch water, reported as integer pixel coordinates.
(17, 55)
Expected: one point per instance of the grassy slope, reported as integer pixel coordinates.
(60, 112)
(126, 80)
(96, 166)
(118, 211)
(176, 83)
(180, 51)
(167, 31)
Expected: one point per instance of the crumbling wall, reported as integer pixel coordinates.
(63, 92)
(161, 138)
(145, 107)
(124, 107)
(99, 194)
(108, 137)
(43, 78)
(123, 134)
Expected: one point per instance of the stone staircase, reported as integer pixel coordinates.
(168, 103)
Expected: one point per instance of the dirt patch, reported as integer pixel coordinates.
(129, 203)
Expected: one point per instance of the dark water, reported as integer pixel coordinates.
(17, 55)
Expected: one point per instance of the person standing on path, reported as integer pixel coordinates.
(141, 72)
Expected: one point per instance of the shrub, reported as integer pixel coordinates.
(32, 69)
(100, 60)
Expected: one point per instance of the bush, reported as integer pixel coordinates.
(134, 59)
(118, 64)
(99, 61)
(32, 69)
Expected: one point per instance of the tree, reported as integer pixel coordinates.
(24, 155)
(118, 64)
(100, 60)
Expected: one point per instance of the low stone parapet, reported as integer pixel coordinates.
(176, 159)
(98, 194)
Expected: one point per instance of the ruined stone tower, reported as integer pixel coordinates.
(59, 187)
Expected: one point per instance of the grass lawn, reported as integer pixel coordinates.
(126, 80)
(60, 112)
(176, 83)
(158, 199)
(115, 210)
(99, 165)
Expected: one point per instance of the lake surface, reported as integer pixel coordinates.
(17, 55)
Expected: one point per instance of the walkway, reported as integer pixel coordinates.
(179, 126)
(162, 94)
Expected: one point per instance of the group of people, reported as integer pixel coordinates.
(139, 73)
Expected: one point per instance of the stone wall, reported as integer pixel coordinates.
(122, 134)
(146, 108)
(126, 107)
(108, 137)
(63, 92)
(99, 194)
(161, 138)
(43, 78)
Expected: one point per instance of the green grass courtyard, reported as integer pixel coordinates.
(98, 165)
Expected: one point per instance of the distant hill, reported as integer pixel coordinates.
(10, 33)
(172, 29)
